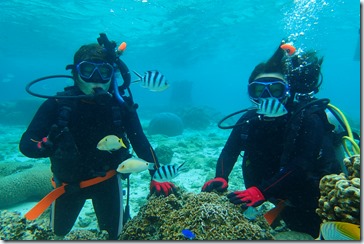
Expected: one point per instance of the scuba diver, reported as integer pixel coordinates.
(67, 128)
(287, 140)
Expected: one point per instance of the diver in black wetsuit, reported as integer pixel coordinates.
(68, 131)
(285, 154)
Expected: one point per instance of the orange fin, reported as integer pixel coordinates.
(272, 214)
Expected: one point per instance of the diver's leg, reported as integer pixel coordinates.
(302, 215)
(65, 211)
(108, 204)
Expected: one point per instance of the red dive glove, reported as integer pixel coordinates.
(251, 197)
(219, 184)
(162, 187)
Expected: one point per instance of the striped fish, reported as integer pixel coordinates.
(153, 80)
(166, 172)
(271, 107)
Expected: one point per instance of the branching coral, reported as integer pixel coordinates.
(208, 215)
(340, 194)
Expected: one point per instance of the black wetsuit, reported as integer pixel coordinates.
(88, 124)
(284, 161)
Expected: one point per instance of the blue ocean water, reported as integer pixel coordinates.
(211, 45)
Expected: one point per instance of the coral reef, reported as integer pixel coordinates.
(164, 154)
(208, 215)
(20, 182)
(168, 124)
(353, 166)
(15, 227)
(195, 118)
(292, 236)
(340, 194)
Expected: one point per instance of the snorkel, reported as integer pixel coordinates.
(113, 56)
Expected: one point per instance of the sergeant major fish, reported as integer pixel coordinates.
(166, 172)
(134, 165)
(110, 143)
(271, 107)
(153, 80)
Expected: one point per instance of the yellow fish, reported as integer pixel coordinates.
(334, 230)
(134, 165)
(110, 143)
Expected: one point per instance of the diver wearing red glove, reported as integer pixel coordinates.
(287, 142)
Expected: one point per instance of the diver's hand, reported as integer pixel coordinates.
(160, 188)
(251, 197)
(46, 145)
(219, 184)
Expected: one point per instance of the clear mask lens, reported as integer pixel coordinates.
(87, 69)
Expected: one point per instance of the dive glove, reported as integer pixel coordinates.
(160, 188)
(251, 197)
(219, 184)
(46, 145)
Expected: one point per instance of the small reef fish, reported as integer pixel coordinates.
(188, 234)
(110, 143)
(334, 230)
(153, 80)
(251, 213)
(166, 172)
(271, 107)
(134, 165)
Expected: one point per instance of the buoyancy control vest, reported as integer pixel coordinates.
(65, 160)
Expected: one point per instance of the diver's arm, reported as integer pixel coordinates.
(38, 128)
(295, 170)
(230, 152)
(139, 140)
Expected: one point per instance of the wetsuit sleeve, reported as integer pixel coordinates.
(38, 128)
(139, 140)
(231, 151)
(301, 161)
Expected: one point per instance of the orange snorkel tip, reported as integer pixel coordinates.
(122, 47)
(288, 48)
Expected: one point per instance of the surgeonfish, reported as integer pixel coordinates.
(153, 80)
(134, 165)
(166, 172)
(271, 107)
(110, 143)
(333, 230)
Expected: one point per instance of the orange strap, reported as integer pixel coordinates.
(43, 204)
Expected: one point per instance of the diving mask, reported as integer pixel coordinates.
(268, 87)
(87, 69)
